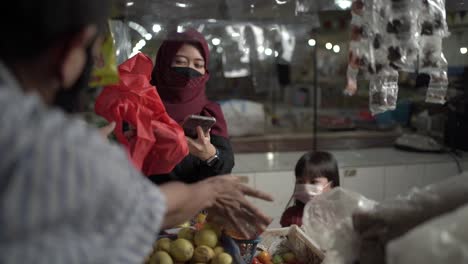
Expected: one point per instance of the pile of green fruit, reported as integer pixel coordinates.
(191, 246)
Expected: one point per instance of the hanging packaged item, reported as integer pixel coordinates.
(235, 52)
(402, 34)
(123, 44)
(105, 64)
(433, 28)
(383, 91)
(388, 36)
(364, 28)
(432, 19)
(438, 85)
(157, 143)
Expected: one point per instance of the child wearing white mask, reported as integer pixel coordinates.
(316, 173)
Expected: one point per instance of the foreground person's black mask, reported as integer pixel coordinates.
(187, 72)
(71, 99)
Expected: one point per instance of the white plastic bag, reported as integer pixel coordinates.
(327, 220)
(442, 240)
(244, 117)
(393, 218)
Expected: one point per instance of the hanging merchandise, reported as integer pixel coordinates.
(402, 34)
(433, 26)
(360, 45)
(388, 36)
(105, 65)
(235, 52)
(383, 91)
(123, 45)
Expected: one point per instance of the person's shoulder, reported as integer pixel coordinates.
(28, 124)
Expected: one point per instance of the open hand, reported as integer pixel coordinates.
(231, 208)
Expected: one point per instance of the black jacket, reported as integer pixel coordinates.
(191, 169)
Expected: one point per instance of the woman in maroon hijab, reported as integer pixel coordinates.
(180, 75)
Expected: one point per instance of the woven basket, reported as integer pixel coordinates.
(281, 240)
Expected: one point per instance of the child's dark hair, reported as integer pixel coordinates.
(318, 164)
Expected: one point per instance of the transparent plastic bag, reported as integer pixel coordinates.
(351, 81)
(438, 86)
(431, 57)
(123, 44)
(235, 52)
(439, 241)
(401, 6)
(383, 92)
(433, 18)
(395, 217)
(327, 220)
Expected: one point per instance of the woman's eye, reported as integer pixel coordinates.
(199, 66)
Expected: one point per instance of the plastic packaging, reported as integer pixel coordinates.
(439, 241)
(438, 85)
(327, 220)
(122, 42)
(105, 64)
(393, 218)
(235, 52)
(432, 19)
(158, 143)
(432, 62)
(244, 117)
(383, 91)
(403, 35)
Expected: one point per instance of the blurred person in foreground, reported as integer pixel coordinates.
(67, 196)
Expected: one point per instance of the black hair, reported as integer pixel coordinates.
(318, 164)
(30, 27)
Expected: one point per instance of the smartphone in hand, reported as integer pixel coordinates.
(191, 123)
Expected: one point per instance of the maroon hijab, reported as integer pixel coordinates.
(183, 96)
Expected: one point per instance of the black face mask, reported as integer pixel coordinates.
(187, 72)
(71, 99)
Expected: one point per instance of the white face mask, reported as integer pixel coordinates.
(306, 192)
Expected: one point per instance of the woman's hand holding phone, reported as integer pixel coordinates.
(201, 147)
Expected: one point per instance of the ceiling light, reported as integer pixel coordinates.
(276, 53)
(261, 49)
(157, 28)
(279, 2)
(216, 41)
(148, 36)
(336, 48)
(311, 42)
(130, 3)
(343, 4)
(268, 51)
(270, 156)
(463, 50)
(328, 46)
(183, 5)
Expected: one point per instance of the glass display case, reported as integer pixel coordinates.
(281, 65)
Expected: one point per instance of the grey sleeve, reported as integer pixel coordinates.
(68, 196)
